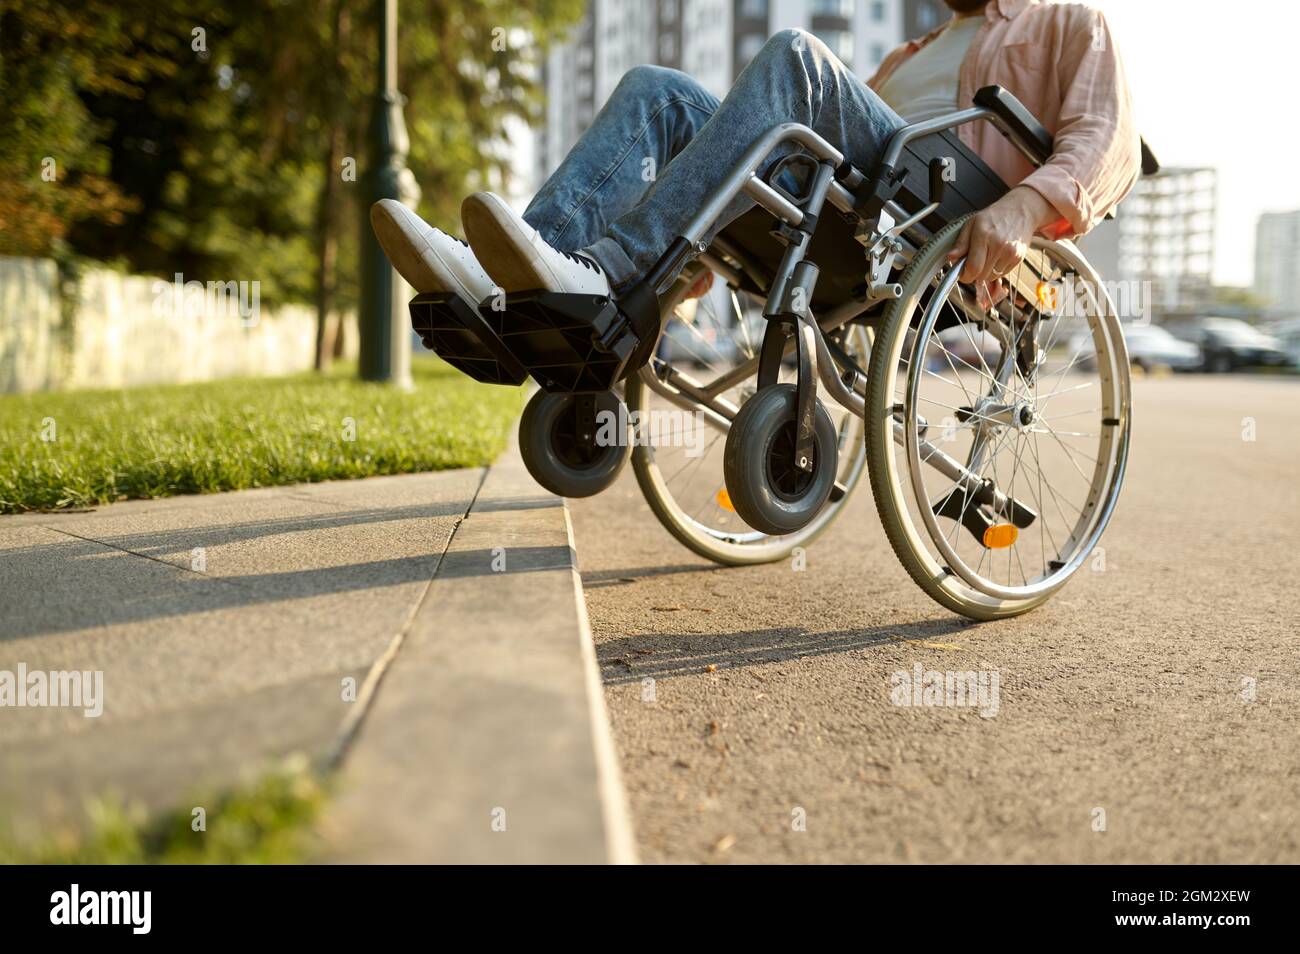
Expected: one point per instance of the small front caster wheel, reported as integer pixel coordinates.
(572, 450)
(768, 490)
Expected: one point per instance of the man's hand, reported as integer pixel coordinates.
(995, 240)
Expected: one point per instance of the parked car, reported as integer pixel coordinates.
(1228, 344)
(1149, 346)
(1288, 333)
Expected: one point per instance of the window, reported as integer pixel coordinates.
(833, 8)
(753, 9)
(877, 53)
(878, 11)
(748, 47)
(840, 42)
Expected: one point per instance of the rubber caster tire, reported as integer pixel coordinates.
(766, 489)
(551, 451)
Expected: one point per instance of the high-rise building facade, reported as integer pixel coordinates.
(1277, 261)
(922, 16)
(1162, 236)
(712, 40)
(1163, 233)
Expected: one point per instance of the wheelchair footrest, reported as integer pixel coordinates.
(462, 336)
(568, 342)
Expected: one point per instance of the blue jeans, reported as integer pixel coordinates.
(662, 144)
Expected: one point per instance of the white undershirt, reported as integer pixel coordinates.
(925, 85)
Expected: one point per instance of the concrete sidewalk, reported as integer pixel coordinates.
(488, 740)
(236, 629)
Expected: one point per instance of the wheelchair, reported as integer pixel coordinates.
(836, 343)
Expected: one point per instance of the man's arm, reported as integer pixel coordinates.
(1095, 160)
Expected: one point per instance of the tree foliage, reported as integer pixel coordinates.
(214, 137)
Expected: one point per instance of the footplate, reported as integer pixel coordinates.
(568, 342)
(463, 337)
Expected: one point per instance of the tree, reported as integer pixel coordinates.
(215, 137)
(54, 166)
(466, 67)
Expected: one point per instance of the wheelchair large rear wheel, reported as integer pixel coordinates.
(706, 341)
(997, 436)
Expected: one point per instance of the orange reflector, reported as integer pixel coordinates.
(1046, 293)
(1000, 535)
(724, 500)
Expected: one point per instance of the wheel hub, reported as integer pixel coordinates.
(789, 478)
(1017, 414)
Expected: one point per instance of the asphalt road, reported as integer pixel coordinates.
(1150, 712)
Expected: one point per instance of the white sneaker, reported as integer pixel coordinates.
(428, 258)
(516, 256)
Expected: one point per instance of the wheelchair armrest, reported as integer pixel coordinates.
(1019, 123)
(1032, 134)
(1150, 164)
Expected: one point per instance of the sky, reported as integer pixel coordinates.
(1218, 84)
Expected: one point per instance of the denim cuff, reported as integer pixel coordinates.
(609, 255)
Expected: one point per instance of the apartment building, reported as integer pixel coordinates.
(1277, 261)
(712, 40)
(1163, 234)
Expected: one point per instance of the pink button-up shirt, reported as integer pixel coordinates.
(1060, 61)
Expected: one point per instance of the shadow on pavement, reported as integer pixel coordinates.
(95, 578)
(160, 543)
(601, 578)
(630, 659)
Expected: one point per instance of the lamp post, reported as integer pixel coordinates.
(384, 325)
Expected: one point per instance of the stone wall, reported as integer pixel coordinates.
(121, 330)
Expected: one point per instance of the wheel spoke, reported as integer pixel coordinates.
(687, 477)
(1027, 373)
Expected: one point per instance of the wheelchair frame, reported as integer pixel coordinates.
(581, 345)
(881, 228)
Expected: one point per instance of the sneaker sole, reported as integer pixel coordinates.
(413, 256)
(495, 236)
